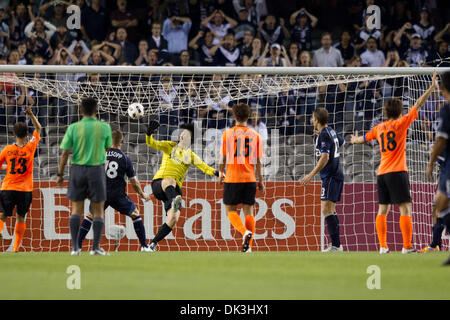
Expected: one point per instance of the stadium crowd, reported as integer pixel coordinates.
(230, 33)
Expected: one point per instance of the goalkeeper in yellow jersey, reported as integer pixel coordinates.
(167, 182)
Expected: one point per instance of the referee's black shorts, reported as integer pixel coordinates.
(239, 193)
(393, 188)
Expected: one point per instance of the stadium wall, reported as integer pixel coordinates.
(287, 219)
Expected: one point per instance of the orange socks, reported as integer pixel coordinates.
(250, 225)
(2, 225)
(19, 231)
(236, 222)
(381, 226)
(406, 228)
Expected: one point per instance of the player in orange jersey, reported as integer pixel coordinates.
(392, 176)
(17, 186)
(242, 150)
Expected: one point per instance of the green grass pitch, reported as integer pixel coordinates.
(225, 275)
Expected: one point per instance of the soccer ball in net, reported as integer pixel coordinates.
(135, 110)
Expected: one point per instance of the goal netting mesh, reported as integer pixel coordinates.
(288, 216)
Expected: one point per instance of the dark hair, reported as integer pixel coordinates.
(393, 108)
(326, 33)
(20, 129)
(89, 106)
(445, 80)
(117, 137)
(321, 115)
(241, 112)
(190, 127)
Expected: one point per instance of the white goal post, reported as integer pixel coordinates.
(288, 216)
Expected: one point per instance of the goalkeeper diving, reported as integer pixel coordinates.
(168, 180)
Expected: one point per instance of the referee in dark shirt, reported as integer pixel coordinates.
(88, 139)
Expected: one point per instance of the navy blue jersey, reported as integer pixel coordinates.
(443, 130)
(118, 164)
(328, 141)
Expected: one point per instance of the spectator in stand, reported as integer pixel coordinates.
(218, 109)
(23, 57)
(327, 56)
(441, 56)
(129, 51)
(62, 35)
(4, 33)
(302, 25)
(392, 58)
(97, 58)
(251, 59)
(246, 46)
(143, 50)
(345, 46)
(157, 41)
(55, 12)
(19, 20)
(424, 27)
(244, 25)
(202, 48)
(365, 33)
(38, 45)
(176, 31)
(271, 31)
(63, 57)
(305, 59)
(372, 57)
(39, 26)
(401, 38)
(226, 53)
(219, 27)
(184, 59)
(256, 9)
(255, 122)
(416, 55)
(95, 20)
(444, 34)
(275, 59)
(294, 54)
(125, 18)
(78, 49)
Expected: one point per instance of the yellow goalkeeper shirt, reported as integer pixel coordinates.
(176, 161)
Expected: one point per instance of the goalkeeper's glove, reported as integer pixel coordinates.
(216, 173)
(152, 126)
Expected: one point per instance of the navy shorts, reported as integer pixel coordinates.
(331, 189)
(123, 204)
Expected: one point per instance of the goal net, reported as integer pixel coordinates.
(288, 216)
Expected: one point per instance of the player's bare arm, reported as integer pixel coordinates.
(137, 187)
(424, 97)
(319, 166)
(34, 120)
(356, 139)
(62, 164)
